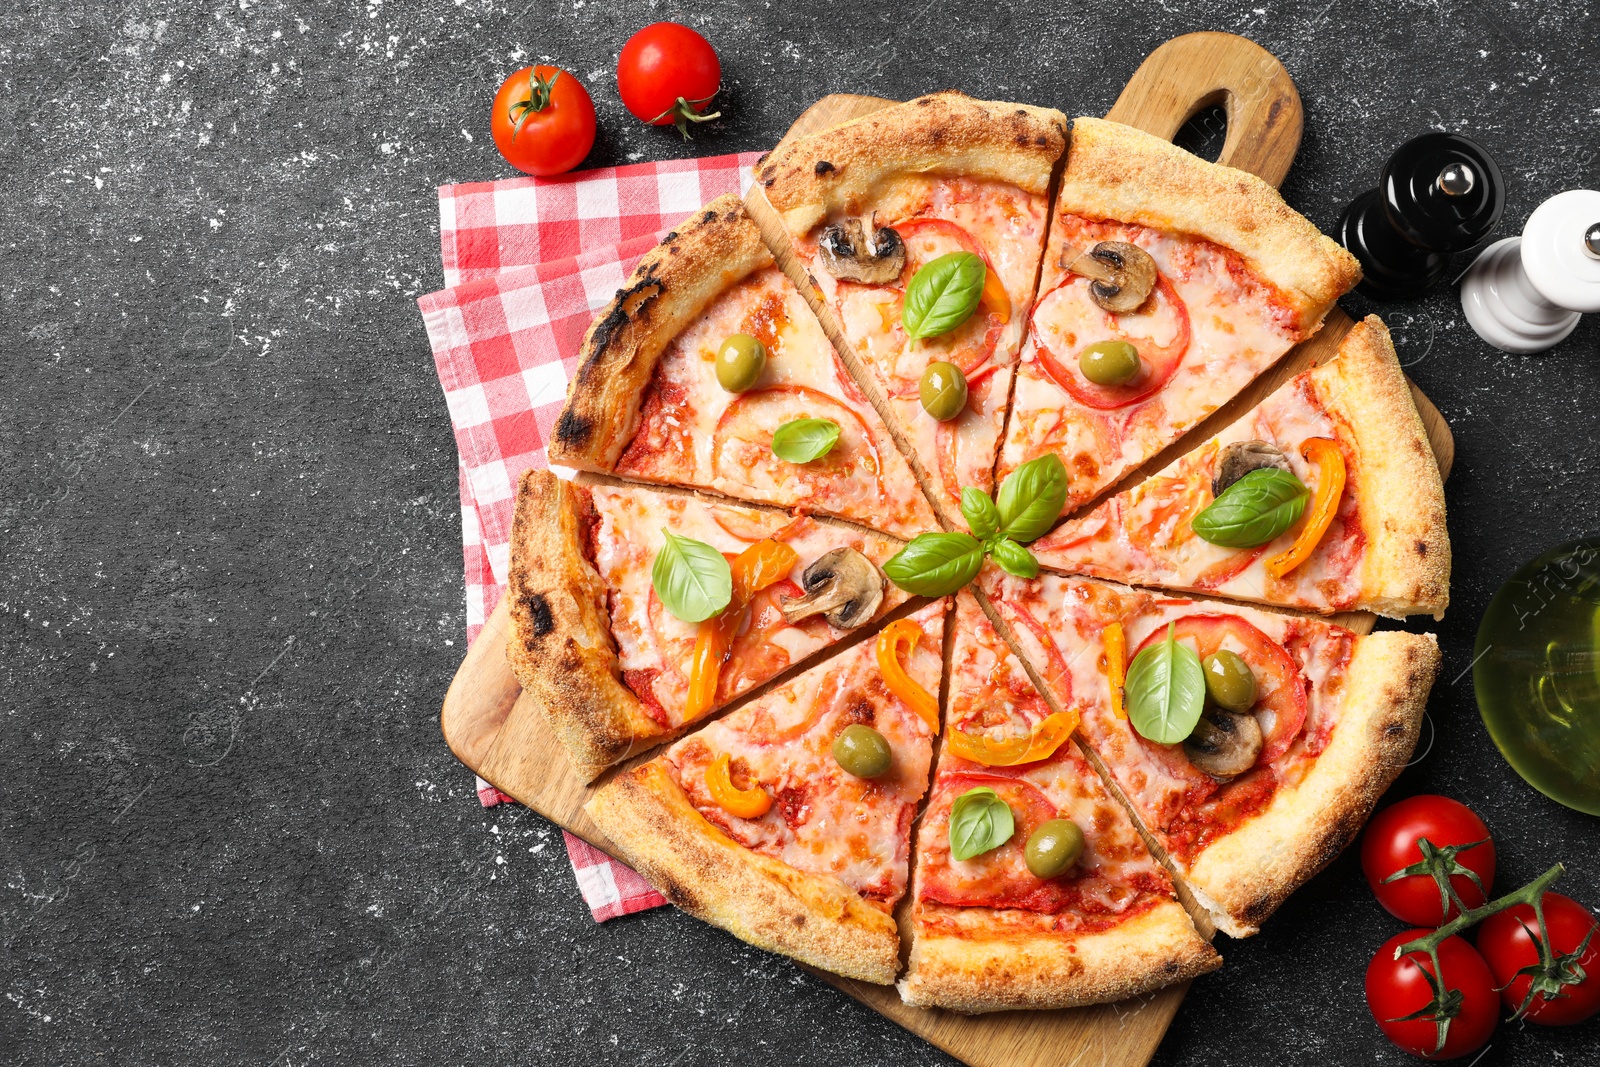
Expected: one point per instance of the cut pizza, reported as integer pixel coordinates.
(599, 647)
(922, 226)
(1251, 744)
(1324, 497)
(1032, 888)
(709, 371)
(787, 821)
(1168, 285)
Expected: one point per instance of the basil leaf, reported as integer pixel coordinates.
(979, 821)
(943, 294)
(1013, 558)
(983, 518)
(691, 578)
(1253, 510)
(803, 440)
(1031, 498)
(936, 564)
(1166, 691)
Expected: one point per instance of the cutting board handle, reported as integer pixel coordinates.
(1199, 70)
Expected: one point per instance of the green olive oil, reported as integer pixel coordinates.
(1536, 672)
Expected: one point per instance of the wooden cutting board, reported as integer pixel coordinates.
(500, 735)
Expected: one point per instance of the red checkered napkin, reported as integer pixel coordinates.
(528, 262)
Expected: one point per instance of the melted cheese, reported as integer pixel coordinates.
(654, 645)
(1059, 622)
(1009, 225)
(1143, 536)
(1239, 329)
(823, 820)
(693, 432)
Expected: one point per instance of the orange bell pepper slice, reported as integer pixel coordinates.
(994, 295)
(1041, 744)
(753, 570)
(1324, 504)
(890, 640)
(749, 803)
(1116, 666)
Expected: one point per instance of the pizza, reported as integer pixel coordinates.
(1173, 282)
(869, 203)
(1006, 928)
(1249, 805)
(753, 823)
(647, 401)
(614, 671)
(1382, 546)
(1137, 724)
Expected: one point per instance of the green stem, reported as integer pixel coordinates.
(1529, 894)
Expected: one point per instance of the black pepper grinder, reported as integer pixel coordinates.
(1439, 193)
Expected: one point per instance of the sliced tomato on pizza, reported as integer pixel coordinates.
(1370, 535)
(1255, 800)
(649, 401)
(613, 669)
(1063, 905)
(866, 212)
(1168, 285)
(787, 821)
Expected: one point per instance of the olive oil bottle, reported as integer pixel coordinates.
(1537, 673)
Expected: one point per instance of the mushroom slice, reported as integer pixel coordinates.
(1242, 457)
(842, 586)
(1224, 745)
(1121, 275)
(850, 253)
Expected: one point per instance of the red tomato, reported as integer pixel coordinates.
(667, 75)
(543, 121)
(1390, 845)
(1505, 942)
(1396, 988)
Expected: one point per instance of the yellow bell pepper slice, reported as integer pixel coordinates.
(753, 570)
(994, 295)
(1041, 744)
(749, 803)
(1324, 504)
(1116, 667)
(890, 641)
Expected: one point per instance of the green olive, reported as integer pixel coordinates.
(1110, 363)
(740, 361)
(1229, 680)
(862, 751)
(944, 391)
(1053, 847)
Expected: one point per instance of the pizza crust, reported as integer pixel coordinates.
(1246, 875)
(714, 248)
(561, 648)
(1119, 173)
(942, 134)
(991, 969)
(815, 919)
(1406, 566)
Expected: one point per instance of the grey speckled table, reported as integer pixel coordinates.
(229, 830)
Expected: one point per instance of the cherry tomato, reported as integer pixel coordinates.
(543, 121)
(1504, 940)
(1390, 845)
(667, 75)
(1397, 988)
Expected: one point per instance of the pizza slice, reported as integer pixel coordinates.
(1168, 284)
(1302, 729)
(905, 193)
(1063, 908)
(1347, 514)
(709, 371)
(787, 822)
(612, 667)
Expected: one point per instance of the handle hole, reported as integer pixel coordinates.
(1205, 132)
